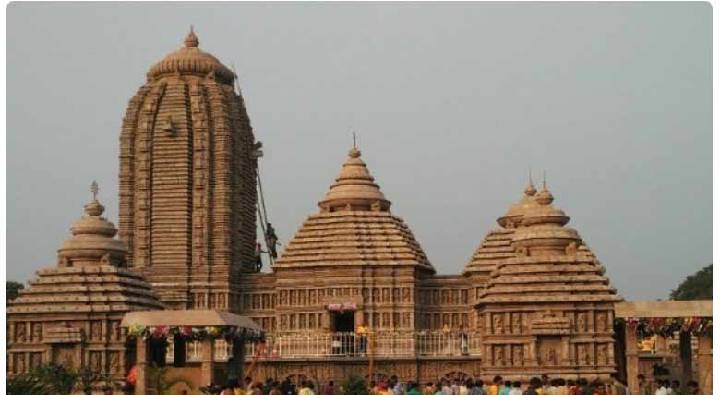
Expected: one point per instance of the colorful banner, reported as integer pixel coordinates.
(347, 306)
(667, 327)
(194, 332)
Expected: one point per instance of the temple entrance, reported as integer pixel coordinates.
(343, 336)
(343, 321)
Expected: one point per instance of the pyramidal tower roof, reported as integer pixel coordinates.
(550, 262)
(496, 246)
(354, 227)
(90, 276)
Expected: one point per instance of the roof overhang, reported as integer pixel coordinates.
(188, 318)
(666, 309)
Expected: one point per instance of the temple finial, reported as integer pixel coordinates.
(191, 40)
(544, 181)
(530, 189)
(94, 189)
(354, 139)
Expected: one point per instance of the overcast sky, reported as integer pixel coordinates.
(452, 103)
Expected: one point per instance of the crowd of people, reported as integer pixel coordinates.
(543, 385)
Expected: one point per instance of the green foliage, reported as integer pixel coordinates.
(12, 289)
(354, 385)
(695, 287)
(44, 380)
(56, 380)
(27, 383)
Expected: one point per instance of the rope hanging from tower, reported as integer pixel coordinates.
(269, 235)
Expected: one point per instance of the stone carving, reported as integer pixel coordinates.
(498, 324)
(516, 324)
(601, 321)
(499, 356)
(602, 357)
(517, 358)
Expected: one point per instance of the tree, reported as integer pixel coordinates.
(695, 287)
(354, 385)
(12, 289)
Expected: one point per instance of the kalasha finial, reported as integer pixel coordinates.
(191, 40)
(354, 151)
(544, 197)
(94, 208)
(94, 189)
(530, 190)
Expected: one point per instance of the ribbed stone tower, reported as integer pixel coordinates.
(548, 308)
(70, 315)
(187, 181)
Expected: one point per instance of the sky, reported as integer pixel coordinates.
(452, 103)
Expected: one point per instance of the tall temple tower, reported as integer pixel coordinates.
(187, 181)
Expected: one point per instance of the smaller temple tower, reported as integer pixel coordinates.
(548, 308)
(71, 313)
(353, 263)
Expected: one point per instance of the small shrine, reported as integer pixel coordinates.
(548, 309)
(194, 348)
(70, 315)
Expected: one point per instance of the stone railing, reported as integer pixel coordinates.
(351, 345)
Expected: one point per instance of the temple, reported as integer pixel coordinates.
(352, 292)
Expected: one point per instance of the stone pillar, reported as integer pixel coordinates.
(686, 356)
(206, 361)
(141, 385)
(704, 361)
(632, 361)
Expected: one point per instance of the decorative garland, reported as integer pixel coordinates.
(194, 332)
(666, 327)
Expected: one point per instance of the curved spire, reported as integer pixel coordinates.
(354, 189)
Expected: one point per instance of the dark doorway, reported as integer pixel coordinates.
(344, 321)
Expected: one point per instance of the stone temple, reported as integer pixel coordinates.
(352, 293)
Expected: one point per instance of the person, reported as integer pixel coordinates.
(275, 388)
(516, 388)
(446, 388)
(674, 387)
(544, 385)
(429, 389)
(227, 390)
(397, 387)
(271, 240)
(361, 333)
(506, 387)
(494, 388)
(661, 388)
(439, 389)
(584, 387)
(464, 387)
(561, 387)
(383, 389)
(329, 388)
(477, 388)
(412, 389)
(304, 390)
(535, 383)
(693, 388)
(258, 257)
(643, 385)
